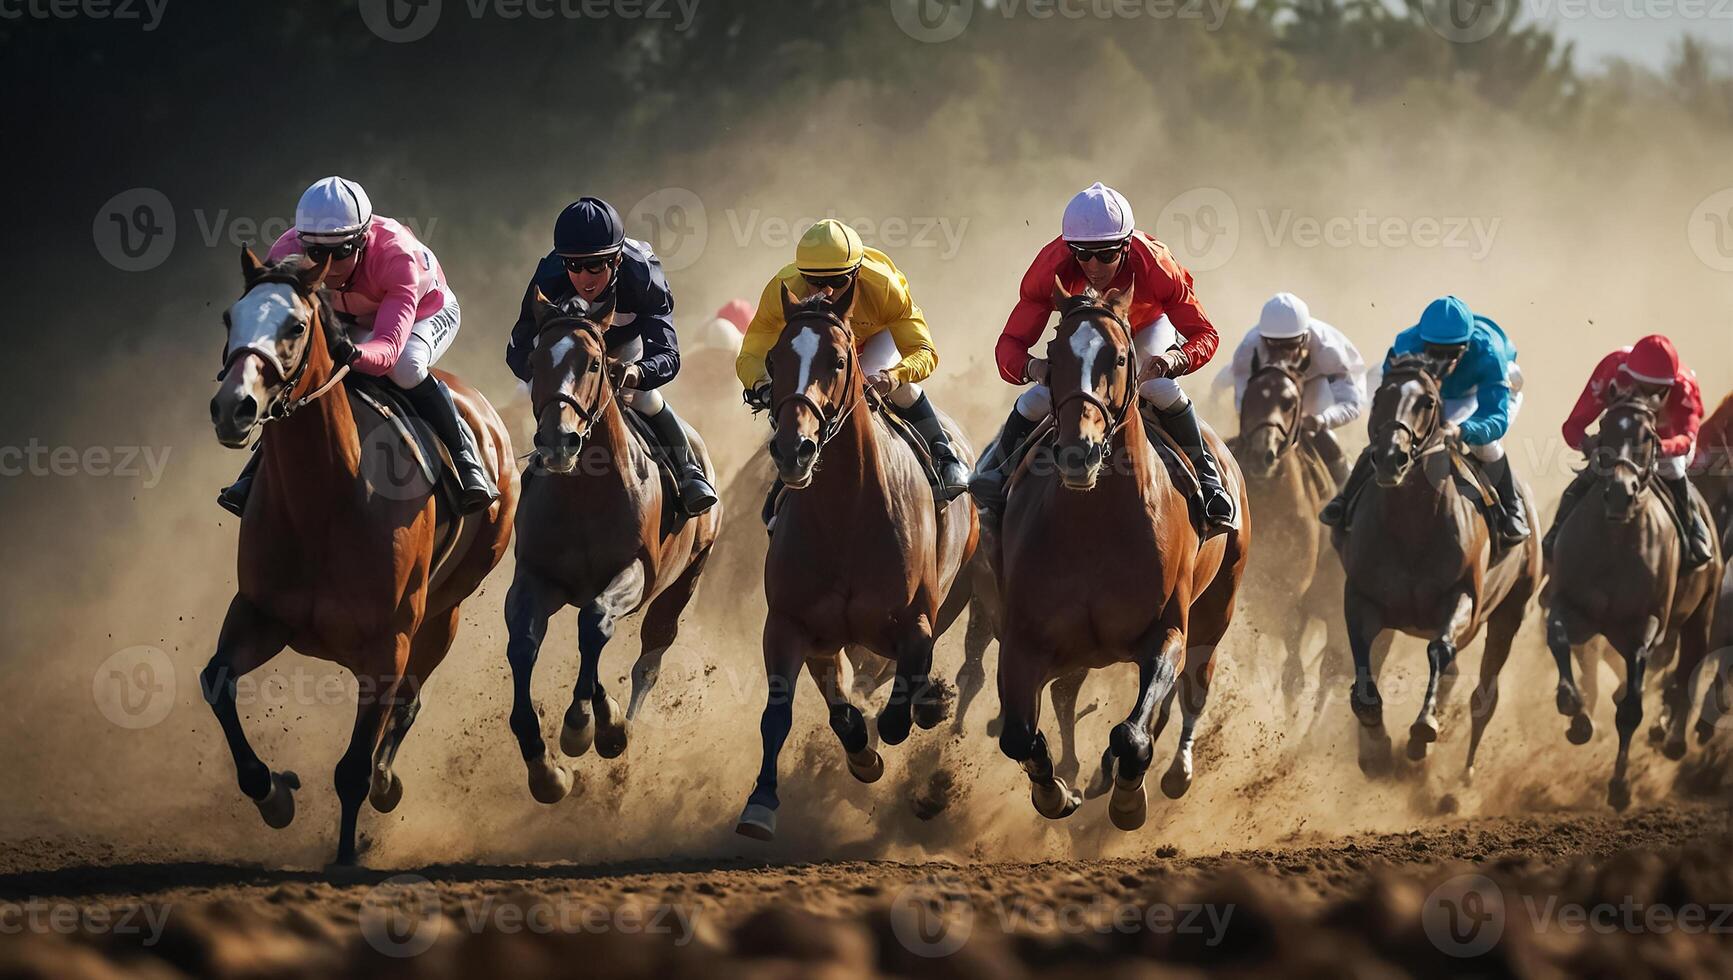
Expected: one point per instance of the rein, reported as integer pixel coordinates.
(1290, 432)
(829, 426)
(1117, 417)
(1643, 472)
(282, 405)
(1419, 446)
(609, 392)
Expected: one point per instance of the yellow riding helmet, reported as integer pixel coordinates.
(829, 248)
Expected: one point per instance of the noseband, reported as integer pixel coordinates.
(1644, 473)
(589, 416)
(1289, 430)
(828, 425)
(282, 405)
(1115, 416)
(1419, 443)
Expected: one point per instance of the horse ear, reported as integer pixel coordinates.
(312, 275)
(251, 267)
(788, 301)
(1257, 357)
(540, 308)
(843, 305)
(1119, 301)
(1060, 296)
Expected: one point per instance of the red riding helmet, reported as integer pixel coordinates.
(1653, 361)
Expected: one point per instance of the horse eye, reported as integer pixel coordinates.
(594, 367)
(1121, 361)
(297, 328)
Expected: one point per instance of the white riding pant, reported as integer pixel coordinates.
(645, 403)
(1164, 393)
(1674, 467)
(881, 354)
(428, 341)
(1460, 410)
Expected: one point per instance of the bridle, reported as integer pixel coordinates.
(831, 424)
(1116, 416)
(282, 403)
(1418, 445)
(1289, 428)
(1643, 473)
(608, 391)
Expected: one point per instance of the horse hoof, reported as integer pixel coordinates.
(757, 822)
(278, 806)
(1674, 750)
(1581, 730)
(386, 792)
(1129, 806)
(932, 710)
(995, 726)
(894, 723)
(612, 729)
(867, 766)
(1054, 800)
(1416, 749)
(1705, 731)
(1657, 734)
(549, 783)
(1375, 759)
(1175, 782)
(1570, 702)
(1424, 730)
(575, 740)
(1618, 794)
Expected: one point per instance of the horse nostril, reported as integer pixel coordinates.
(246, 411)
(806, 450)
(570, 440)
(1269, 457)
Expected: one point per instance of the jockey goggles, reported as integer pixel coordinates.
(592, 264)
(838, 281)
(1105, 254)
(334, 253)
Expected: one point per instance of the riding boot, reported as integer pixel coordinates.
(432, 401)
(1218, 505)
(987, 486)
(233, 498)
(1698, 548)
(697, 495)
(1512, 521)
(1335, 512)
(1330, 451)
(1573, 495)
(953, 476)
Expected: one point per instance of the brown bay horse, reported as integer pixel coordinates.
(1615, 573)
(862, 556)
(1102, 565)
(592, 535)
(1420, 560)
(1296, 574)
(330, 563)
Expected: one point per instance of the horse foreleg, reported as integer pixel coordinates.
(1693, 650)
(1629, 714)
(594, 715)
(528, 605)
(426, 651)
(1022, 674)
(661, 627)
(1130, 742)
(248, 639)
(972, 676)
(380, 675)
(786, 647)
(1441, 672)
(913, 698)
(1364, 623)
(1564, 637)
(846, 720)
(1501, 629)
(1065, 690)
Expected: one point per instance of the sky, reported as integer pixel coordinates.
(1643, 31)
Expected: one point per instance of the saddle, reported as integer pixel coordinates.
(673, 515)
(918, 443)
(1179, 468)
(1471, 481)
(402, 458)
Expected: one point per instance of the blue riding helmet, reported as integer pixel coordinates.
(1447, 321)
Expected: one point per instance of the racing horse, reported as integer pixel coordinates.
(862, 556)
(595, 535)
(1616, 574)
(1296, 573)
(1102, 564)
(1420, 559)
(331, 561)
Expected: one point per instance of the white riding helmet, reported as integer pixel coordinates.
(1098, 214)
(332, 211)
(1285, 317)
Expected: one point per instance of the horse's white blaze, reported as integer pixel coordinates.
(560, 348)
(805, 344)
(1085, 343)
(258, 318)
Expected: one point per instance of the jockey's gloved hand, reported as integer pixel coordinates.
(628, 375)
(881, 383)
(1168, 364)
(1451, 434)
(1311, 425)
(1036, 370)
(757, 397)
(343, 350)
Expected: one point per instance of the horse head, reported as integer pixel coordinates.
(1406, 418)
(815, 380)
(1093, 378)
(1625, 450)
(570, 386)
(275, 346)
(1270, 412)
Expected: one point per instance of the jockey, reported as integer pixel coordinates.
(591, 256)
(1482, 390)
(725, 329)
(896, 349)
(1100, 247)
(387, 285)
(1332, 372)
(1649, 367)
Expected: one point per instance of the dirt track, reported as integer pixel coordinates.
(1653, 887)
